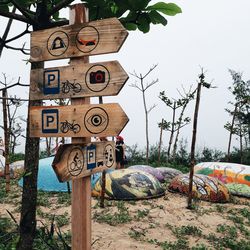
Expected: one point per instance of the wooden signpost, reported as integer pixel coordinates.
(74, 161)
(93, 38)
(82, 120)
(94, 79)
(77, 120)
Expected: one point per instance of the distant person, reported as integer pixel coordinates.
(119, 152)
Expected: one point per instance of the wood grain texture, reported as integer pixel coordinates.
(81, 188)
(77, 120)
(95, 157)
(77, 40)
(93, 79)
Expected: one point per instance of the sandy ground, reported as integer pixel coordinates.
(147, 223)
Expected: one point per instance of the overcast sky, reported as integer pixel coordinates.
(213, 34)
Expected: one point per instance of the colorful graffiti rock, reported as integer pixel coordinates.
(168, 173)
(204, 187)
(129, 184)
(225, 172)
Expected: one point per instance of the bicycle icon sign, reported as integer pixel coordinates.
(75, 163)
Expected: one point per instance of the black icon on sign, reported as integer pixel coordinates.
(58, 43)
(109, 155)
(86, 42)
(67, 126)
(97, 77)
(76, 164)
(67, 86)
(96, 120)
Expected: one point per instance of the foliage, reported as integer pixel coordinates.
(133, 14)
(16, 157)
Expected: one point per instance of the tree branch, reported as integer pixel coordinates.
(21, 49)
(15, 16)
(151, 108)
(135, 86)
(24, 12)
(26, 31)
(59, 6)
(151, 84)
(150, 70)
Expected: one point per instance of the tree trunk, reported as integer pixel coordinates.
(29, 196)
(231, 133)
(171, 132)
(160, 142)
(6, 141)
(178, 132)
(192, 163)
(146, 117)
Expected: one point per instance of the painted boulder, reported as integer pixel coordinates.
(229, 173)
(225, 172)
(204, 187)
(239, 189)
(148, 169)
(168, 173)
(129, 184)
(47, 179)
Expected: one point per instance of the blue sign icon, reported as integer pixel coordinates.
(50, 120)
(51, 82)
(91, 156)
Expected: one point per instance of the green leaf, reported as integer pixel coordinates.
(130, 26)
(144, 23)
(157, 18)
(4, 7)
(169, 9)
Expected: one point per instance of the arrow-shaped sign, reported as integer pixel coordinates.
(93, 38)
(74, 161)
(77, 120)
(86, 80)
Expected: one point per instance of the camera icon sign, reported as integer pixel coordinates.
(97, 78)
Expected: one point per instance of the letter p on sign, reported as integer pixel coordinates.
(50, 121)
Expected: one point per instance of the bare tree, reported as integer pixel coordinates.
(176, 123)
(201, 83)
(186, 98)
(143, 88)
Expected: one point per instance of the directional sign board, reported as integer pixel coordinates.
(77, 120)
(86, 80)
(74, 161)
(93, 38)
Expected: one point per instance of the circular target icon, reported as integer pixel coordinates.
(96, 120)
(87, 39)
(58, 43)
(97, 78)
(75, 161)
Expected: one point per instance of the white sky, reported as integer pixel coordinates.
(213, 34)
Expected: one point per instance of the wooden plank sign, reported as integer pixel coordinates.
(93, 38)
(74, 161)
(77, 120)
(86, 80)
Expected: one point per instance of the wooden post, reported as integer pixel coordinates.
(6, 142)
(81, 188)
